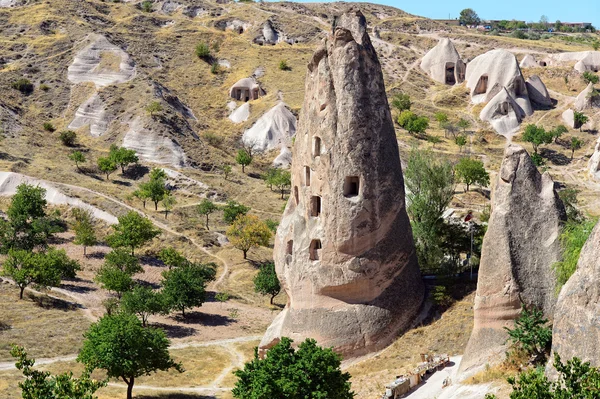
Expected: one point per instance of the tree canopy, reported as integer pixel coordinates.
(243, 158)
(206, 207)
(185, 287)
(471, 171)
(132, 231)
(469, 17)
(143, 302)
(537, 136)
(248, 231)
(232, 210)
(266, 281)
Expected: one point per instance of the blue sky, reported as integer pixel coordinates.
(526, 10)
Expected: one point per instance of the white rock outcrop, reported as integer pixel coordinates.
(92, 113)
(528, 62)
(503, 113)
(152, 147)
(584, 60)
(585, 100)
(594, 163)
(443, 63)
(284, 159)
(272, 130)
(537, 91)
(241, 114)
(102, 63)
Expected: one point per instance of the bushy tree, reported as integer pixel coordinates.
(536, 136)
(44, 385)
(309, 372)
(401, 102)
(531, 333)
(122, 157)
(25, 268)
(106, 166)
(77, 157)
(155, 188)
(143, 302)
(185, 287)
(57, 259)
(471, 171)
(580, 119)
(441, 118)
(206, 207)
(282, 179)
(68, 137)
(142, 194)
(590, 77)
(168, 202)
(266, 281)
(558, 131)
(172, 258)
(84, 229)
(574, 145)
(572, 238)
(226, 171)
(232, 210)
(121, 346)
(243, 158)
(111, 278)
(154, 107)
(461, 141)
(203, 51)
(146, 6)
(132, 231)
(121, 259)
(464, 124)
(248, 231)
(413, 123)
(469, 17)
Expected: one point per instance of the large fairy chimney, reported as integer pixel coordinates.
(344, 250)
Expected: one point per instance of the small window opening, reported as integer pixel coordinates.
(482, 85)
(296, 196)
(317, 146)
(315, 249)
(307, 175)
(290, 247)
(351, 186)
(315, 206)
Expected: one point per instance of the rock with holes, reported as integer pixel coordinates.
(503, 113)
(246, 89)
(443, 63)
(344, 249)
(520, 247)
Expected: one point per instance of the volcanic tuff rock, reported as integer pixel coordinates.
(272, 130)
(538, 93)
(344, 250)
(519, 248)
(586, 99)
(503, 113)
(443, 63)
(576, 331)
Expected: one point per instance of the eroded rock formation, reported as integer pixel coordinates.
(272, 130)
(443, 63)
(538, 93)
(344, 251)
(519, 248)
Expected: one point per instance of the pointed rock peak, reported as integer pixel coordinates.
(353, 22)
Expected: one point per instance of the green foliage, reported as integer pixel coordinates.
(168, 202)
(133, 231)
(441, 118)
(574, 145)
(215, 68)
(25, 267)
(84, 229)
(185, 287)
(537, 136)
(434, 140)
(429, 181)
(226, 171)
(537, 159)
(68, 137)
(471, 171)
(202, 51)
(77, 157)
(569, 198)
(27, 226)
(154, 107)
(107, 166)
(243, 158)
(401, 102)
(122, 157)
(248, 231)
(580, 119)
(143, 302)
(413, 123)
(49, 127)
(44, 385)
(283, 65)
(440, 297)
(519, 34)
(461, 141)
(464, 124)
(172, 258)
(146, 6)
(266, 281)
(212, 139)
(590, 77)
(573, 236)
(124, 261)
(309, 372)
(469, 17)
(272, 225)
(112, 278)
(206, 207)
(57, 259)
(142, 194)
(121, 346)
(232, 210)
(531, 333)
(558, 131)
(156, 187)
(222, 296)
(282, 179)
(23, 85)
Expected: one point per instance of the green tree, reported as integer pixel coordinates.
(107, 166)
(26, 267)
(580, 119)
(266, 281)
(469, 17)
(282, 179)
(44, 385)
(309, 372)
(232, 210)
(155, 188)
(401, 102)
(121, 346)
(77, 157)
(441, 118)
(168, 202)
(112, 278)
(429, 181)
(68, 137)
(248, 231)
(185, 287)
(460, 141)
(133, 231)
(531, 333)
(226, 171)
(57, 259)
(569, 198)
(142, 194)
(572, 239)
(154, 107)
(122, 157)
(203, 51)
(464, 124)
(590, 77)
(27, 226)
(172, 258)
(243, 158)
(434, 140)
(84, 229)
(143, 302)
(574, 145)
(124, 261)
(283, 65)
(471, 171)
(146, 6)
(206, 207)
(536, 136)
(413, 123)
(558, 131)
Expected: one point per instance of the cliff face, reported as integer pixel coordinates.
(344, 249)
(519, 248)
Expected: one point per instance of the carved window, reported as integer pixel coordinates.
(307, 175)
(317, 147)
(315, 249)
(290, 247)
(351, 186)
(315, 206)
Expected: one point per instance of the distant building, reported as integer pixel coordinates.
(580, 25)
(449, 22)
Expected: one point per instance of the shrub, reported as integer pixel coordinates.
(283, 65)
(533, 36)
(67, 137)
(401, 102)
(146, 6)
(212, 139)
(49, 127)
(518, 34)
(537, 160)
(590, 77)
(214, 68)
(572, 239)
(222, 296)
(23, 85)
(202, 51)
(531, 333)
(44, 87)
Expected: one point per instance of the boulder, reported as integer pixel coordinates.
(443, 64)
(528, 62)
(537, 91)
(503, 113)
(240, 114)
(586, 99)
(519, 248)
(272, 130)
(576, 328)
(569, 118)
(344, 250)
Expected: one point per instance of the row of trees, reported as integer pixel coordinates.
(537, 136)
(118, 157)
